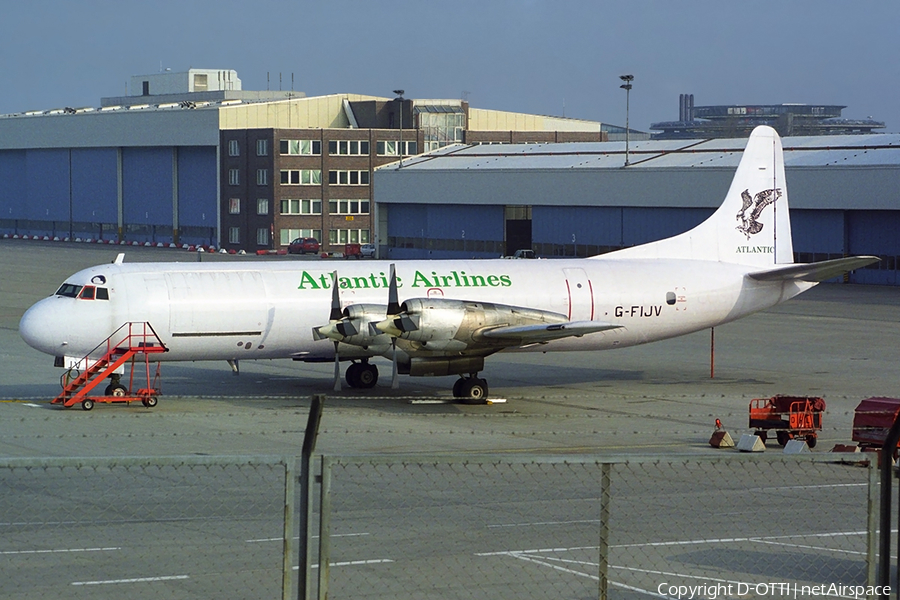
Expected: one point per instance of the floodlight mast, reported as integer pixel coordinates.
(627, 87)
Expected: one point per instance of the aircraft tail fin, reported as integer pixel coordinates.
(751, 227)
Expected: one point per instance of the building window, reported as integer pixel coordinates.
(348, 236)
(348, 207)
(262, 177)
(389, 148)
(234, 206)
(234, 149)
(301, 177)
(234, 235)
(234, 176)
(262, 236)
(348, 177)
(262, 147)
(288, 235)
(300, 147)
(301, 207)
(262, 206)
(348, 147)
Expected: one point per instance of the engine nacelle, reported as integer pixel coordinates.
(443, 324)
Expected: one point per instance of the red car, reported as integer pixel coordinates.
(303, 245)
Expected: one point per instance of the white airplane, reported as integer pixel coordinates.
(454, 313)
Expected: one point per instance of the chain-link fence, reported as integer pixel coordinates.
(196, 527)
(571, 527)
(437, 527)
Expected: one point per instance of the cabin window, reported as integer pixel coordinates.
(670, 298)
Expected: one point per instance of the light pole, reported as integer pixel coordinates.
(400, 149)
(627, 87)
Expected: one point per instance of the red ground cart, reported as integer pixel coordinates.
(789, 416)
(872, 420)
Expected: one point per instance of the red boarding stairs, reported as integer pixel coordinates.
(123, 346)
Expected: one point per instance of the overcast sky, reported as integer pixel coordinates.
(549, 57)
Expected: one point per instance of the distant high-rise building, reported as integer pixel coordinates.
(735, 121)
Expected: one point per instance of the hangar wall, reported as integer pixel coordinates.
(92, 192)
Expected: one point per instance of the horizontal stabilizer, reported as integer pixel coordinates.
(817, 271)
(529, 334)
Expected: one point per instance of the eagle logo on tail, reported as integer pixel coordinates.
(750, 225)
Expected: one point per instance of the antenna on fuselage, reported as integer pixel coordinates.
(120, 258)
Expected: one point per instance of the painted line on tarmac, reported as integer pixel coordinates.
(540, 523)
(297, 537)
(58, 551)
(135, 580)
(354, 563)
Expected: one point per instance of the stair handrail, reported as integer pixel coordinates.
(109, 346)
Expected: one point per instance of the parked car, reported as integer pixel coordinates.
(304, 245)
(367, 250)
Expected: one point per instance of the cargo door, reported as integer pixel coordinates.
(581, 295)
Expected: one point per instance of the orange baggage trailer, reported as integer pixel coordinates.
(791, 417)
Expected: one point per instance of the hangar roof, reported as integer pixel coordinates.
(825, 172)
(812, 151)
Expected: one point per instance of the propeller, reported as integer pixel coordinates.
(334, 322)
(388, 327)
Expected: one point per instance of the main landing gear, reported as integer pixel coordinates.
(471, 389)
(362, 375)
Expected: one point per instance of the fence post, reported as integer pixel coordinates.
(605, 500)
(872, 526)
(325, 528)
(306, 505)
(288, 533)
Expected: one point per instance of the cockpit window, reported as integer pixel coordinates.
(69, 290)
(83, 292)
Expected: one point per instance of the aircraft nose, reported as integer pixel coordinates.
(42, 329)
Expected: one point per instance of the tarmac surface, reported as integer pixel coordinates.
(530, 532)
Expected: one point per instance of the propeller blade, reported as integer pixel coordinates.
(335, 299)
(337, 368)
(393, 307)
(395, 380)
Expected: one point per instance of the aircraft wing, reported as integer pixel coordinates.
(545, 332)
(817, 271)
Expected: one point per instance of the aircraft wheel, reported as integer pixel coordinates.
(353, 375)
(367, 375)
(150, 401)
(87, 404)
(116, 389)
(457, 387)
(474, 390)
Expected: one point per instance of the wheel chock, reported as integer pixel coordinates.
(796, 446)
(721, 439)
(751, 443)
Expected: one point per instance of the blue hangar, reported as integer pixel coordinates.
(578, 199)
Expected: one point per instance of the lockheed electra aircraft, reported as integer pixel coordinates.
(445, 317)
